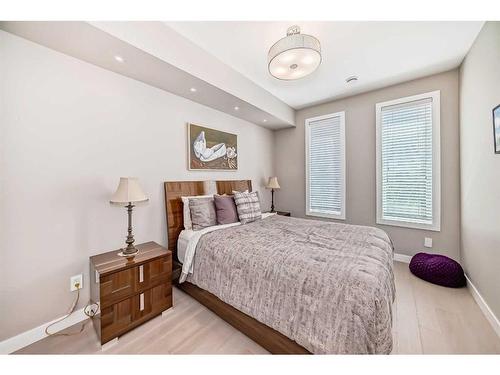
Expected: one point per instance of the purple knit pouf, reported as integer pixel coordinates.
(438, 269)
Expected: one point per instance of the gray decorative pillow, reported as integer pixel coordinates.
(202, 213)
(248, 206)
(225, 209)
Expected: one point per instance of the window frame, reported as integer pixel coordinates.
(436, 161)
(342, 215)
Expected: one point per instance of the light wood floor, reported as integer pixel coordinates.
(428, 319)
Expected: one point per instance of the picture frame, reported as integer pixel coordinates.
(496, 129)
(211, 149)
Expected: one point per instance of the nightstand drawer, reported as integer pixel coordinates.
(115, 319)
(131, 312)
(122, 284)
(154, 272)
(152, 301)
(117, 286)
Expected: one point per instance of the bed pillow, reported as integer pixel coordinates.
(202, 213)
(225, 209)
(248, 206)
(186, 213)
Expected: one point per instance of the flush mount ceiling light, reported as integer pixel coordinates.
(295, 56)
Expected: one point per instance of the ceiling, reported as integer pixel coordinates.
(226, 62)
(146, 55)
(379, 53)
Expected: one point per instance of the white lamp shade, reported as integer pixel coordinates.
(273, 183)
(128, 190)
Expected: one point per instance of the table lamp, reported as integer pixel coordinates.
(273, 185)
(128, 192)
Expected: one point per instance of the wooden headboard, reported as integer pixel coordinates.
(174, 190)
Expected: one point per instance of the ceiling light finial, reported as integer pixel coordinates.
(294, 56)
(292, 30)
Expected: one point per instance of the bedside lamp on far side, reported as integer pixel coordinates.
(128, 192)
(273, 185)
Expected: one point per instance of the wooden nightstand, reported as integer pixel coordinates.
(130, 292)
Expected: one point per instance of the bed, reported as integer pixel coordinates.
(292, 285)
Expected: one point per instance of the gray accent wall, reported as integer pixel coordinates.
(480, 166)
(360, 163)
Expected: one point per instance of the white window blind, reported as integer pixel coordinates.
(325, 166)
(407, 172)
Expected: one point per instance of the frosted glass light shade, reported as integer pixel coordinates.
(295, 56)
(273, 183)
(128, 190)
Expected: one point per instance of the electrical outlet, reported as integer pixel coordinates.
(428, 242)
(77, 279)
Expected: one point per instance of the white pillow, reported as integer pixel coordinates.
(185, 210)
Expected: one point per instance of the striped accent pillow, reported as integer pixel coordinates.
(248, 206)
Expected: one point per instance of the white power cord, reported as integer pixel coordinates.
(90, 314)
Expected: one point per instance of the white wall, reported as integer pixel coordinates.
(68, 131)
(480, 166)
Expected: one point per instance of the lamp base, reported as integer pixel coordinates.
(272, 200)
(130, 251)
(128, 255)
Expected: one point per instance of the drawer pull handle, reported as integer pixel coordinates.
(141, 302)
(141, 274)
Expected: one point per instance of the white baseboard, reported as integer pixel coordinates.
(33, 335)
(402, 258)
(488, 313)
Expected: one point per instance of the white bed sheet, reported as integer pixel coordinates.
(182, 243)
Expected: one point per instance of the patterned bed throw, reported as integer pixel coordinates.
(327, 286)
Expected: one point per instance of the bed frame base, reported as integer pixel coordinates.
(268, 338)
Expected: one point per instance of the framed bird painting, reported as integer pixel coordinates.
(211, 149)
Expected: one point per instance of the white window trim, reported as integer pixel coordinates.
(436, 162)
(342, 214)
